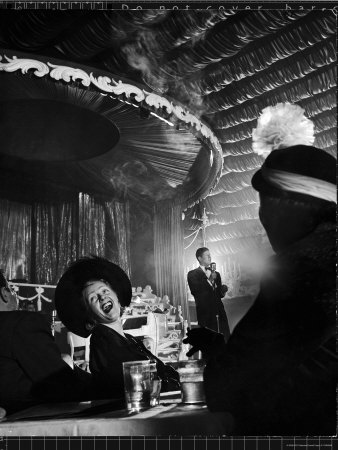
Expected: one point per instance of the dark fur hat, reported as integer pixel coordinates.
(302, 160)
(69, 303)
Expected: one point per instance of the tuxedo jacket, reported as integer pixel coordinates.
(31, 368)
(208, 300)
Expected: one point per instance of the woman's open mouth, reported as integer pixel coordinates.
(107, 307)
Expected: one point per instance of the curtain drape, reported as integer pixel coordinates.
(168, 255)
(39, 241)
(56, 238)
(91, 226)
(117, 240)
(15, 239)
(104, 229)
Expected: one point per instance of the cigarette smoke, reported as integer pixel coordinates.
(136, 181)
(146, 55)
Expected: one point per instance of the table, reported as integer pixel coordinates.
(166, 419)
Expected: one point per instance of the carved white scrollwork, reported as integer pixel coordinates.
(174, 335)
(128, 89)
(109, 85)
(102, 83)
(180, 113)
(14, 64)
(68, 74)
(157, 101)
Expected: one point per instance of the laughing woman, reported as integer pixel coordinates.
(89, 299)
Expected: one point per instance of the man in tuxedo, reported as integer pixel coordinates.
(206, 286)
(32, 370)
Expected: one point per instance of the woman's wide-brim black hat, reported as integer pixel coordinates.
(303, 160)
(69, 303)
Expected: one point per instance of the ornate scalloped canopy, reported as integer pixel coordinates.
(67, 130)
(224, 66)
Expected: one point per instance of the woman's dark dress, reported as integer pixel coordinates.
(108, 350)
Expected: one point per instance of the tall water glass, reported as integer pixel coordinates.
(137, 386)
(155, 385)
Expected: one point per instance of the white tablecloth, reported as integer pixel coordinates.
(163, 420)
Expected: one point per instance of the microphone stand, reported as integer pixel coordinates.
(217, 318)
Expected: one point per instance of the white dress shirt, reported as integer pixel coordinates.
(208, 273)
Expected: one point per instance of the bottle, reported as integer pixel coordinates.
(185, 328)
(183, 348)
(179, 318)
(54, 314)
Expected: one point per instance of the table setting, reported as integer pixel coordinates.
(143, 411)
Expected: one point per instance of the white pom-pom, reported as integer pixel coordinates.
(281, 126)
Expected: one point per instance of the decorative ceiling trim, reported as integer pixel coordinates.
(161, 107)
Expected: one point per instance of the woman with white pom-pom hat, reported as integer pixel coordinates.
(277, 374)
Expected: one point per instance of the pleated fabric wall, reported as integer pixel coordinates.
(168, 253)
(40, 240)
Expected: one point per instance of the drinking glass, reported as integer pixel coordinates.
(155, 385)
(137, 386)
(191, 379)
